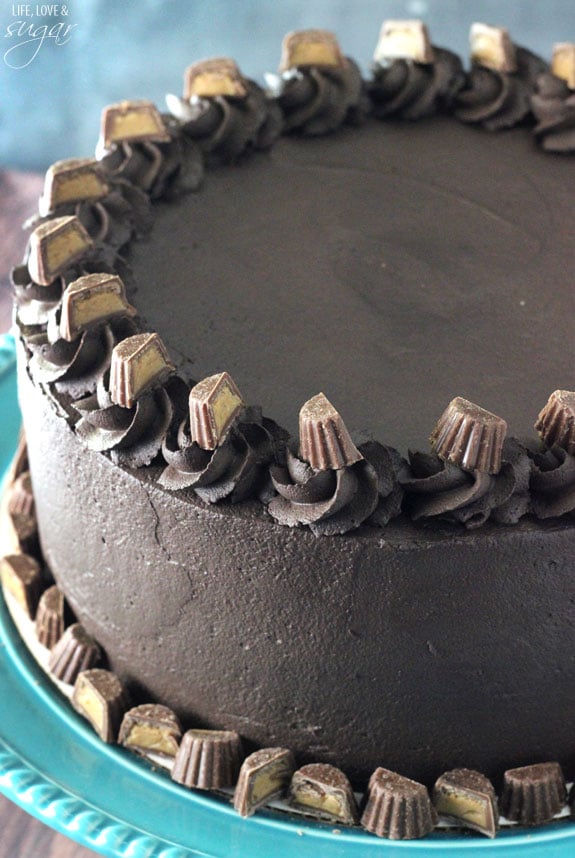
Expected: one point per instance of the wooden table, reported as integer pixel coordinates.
(22, 836)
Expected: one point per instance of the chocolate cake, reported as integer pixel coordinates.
(340, 588)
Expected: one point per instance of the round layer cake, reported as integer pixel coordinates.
(392, 266)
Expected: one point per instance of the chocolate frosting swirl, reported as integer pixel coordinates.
(237, 469)
(499, 100)
(316, 101)
(35, 304)
(437, 489)
(226, 128)
(112, 221)
(161, 170)
(336, 501)
(414, 90)
(133, 436)
(553, 483)
(76, 367)
(553, 105)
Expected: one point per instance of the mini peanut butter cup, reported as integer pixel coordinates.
(265, 775)
(138, 364)
(55, 246)
(100, 697)
(132, 122)
(91, 300)
(556, 421)
(71, 181)
(563, 62)
(492, 48)
(324, 440)
(23, 513)
(397, 807)
(214, 404)
(403, 40)
(305, 48)
(218, 76)
(470, 437)
(325, 792)
(22, 577)
(50, 620)
(208, 759)
(75, 651)
(468, 798)
(151, 728)
(533, 794)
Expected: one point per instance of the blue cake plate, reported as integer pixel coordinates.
(55, 767)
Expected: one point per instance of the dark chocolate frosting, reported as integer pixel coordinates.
(499, 100)
(134, 435)
(317, 100)
(553, 105)
(436, 488)
(225, 128)
(553, 483)
(414, 90)
(112, 220)
(159, 169)
(330, 502)
(236, 469)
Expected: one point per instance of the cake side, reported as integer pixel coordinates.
(417, 650)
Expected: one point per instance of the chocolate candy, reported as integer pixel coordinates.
(22, 512)
(208, 759)
(100, 698)
(563, 62)
(75, 651)
(50, 622)
(397, 807)
(470, 437)
(492, 48)
(214, 404)
(304, 48)
(72, 181)
(55, 246)
(264, 776)
(219, 76)
(91, 300)
(324, 440)
(556, 421)
(151, 728)
(132, 122)
(325, 792)
(22, 578)
(403, 40)
(533, 794)
(468, 798)
(138, 363)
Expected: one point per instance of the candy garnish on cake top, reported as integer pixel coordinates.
(55, 246)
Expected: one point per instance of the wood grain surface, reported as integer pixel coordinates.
(22, 836)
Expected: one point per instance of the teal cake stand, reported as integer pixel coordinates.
(54, 766)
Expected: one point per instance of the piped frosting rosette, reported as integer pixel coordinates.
(474, 473)
(318, 89)
(148, 150)
(502, 80)
(224, 448)
(223, 112)
(330, 486)
(553, 102)
(131, 412)
(76, 348)
(111, 210)
(411, 77)
(553, 474)
(59, 251)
